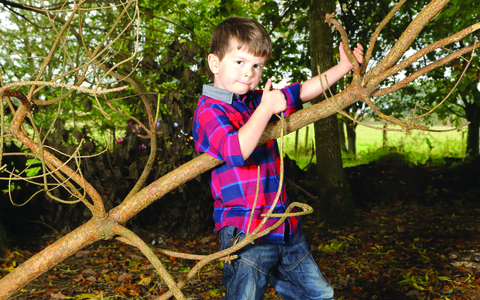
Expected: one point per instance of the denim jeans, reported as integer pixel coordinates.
(289, 268)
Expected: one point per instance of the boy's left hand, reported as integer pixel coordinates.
(357, 52)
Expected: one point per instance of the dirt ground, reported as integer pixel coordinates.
(417, 237)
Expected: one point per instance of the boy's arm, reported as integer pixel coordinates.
(312, 87)
(273, 102)
(214, 134)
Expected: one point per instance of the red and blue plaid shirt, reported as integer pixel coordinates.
(216, 122)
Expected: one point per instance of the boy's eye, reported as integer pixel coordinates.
(239, 62)
(257, 66)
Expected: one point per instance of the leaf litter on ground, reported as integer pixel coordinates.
(394, 252)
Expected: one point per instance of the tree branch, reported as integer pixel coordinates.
(132, 239)
(424, 70)
(419, 54)
(374, 38)
(408, 36)
(330, 19)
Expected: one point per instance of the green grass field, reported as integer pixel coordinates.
(416, 146)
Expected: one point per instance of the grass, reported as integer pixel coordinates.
(416, 146)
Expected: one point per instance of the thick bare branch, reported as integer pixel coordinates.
(41, 262)
(424, 70)
(407, 38)
(330, 19)
(419, 54)
(15, 128)
(374, 38)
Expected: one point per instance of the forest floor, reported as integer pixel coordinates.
(422, 241)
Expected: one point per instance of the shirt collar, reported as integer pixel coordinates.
(220, 94)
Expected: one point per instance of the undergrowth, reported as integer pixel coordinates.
(416, 147)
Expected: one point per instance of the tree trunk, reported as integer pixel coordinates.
(351, 136)
(341, 134)
(336, 203)
(384, 135)
(473, 116)
(3, 241)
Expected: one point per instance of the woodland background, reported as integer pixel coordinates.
(162, 49)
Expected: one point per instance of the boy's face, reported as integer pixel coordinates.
(238, 72)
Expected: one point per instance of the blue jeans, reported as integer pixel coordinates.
(289, 268)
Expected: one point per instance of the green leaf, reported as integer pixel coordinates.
(429, 144)
(445, 278)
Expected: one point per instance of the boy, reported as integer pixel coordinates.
(228, 123)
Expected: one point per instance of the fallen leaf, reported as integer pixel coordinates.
(145, 281)
(57, 296)
(81, 253)
(9, 254)
(78, 278)
(89, 272)
(12, 267)
(357, 289)
(124, 278)
(137, 257)
(87, 296)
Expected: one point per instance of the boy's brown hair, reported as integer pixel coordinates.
(247, 32)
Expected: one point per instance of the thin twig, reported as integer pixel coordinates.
(52, 50)
(256, 198)
(64, 85)
(187, 255)
(133, 239)
(454, 87)
(374, 38)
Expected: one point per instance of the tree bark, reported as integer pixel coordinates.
(336, 203)
(341, 134)
(384, 135)
(3, 241)
(351, 136)
(473, 116)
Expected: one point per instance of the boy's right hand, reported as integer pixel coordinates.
(273, 100)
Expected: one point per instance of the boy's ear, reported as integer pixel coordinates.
(213, 62)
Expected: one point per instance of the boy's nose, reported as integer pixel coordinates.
(248, 72)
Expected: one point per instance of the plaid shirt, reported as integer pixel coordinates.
(218, 117)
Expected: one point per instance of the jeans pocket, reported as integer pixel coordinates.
(228, 236)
